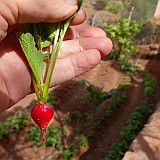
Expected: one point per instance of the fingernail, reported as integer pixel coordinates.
(72, 2)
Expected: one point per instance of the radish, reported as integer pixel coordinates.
(42, 114)
(34, 39)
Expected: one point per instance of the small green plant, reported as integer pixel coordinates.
(78, 115)
(13, 124)
(68, 153)
(113, 105)
(97, 96)
(53, 137)
(123, 35)
(126, 66)
(149, 84)
(73, 148)
(117, 151)
(115, 7)
(83, 141)
(67, 121)
(134, 125)
(33, 135)
(136, 122)
(127, 79)
(78, 130)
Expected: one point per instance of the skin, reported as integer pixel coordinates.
(157, 13)
(81, 50)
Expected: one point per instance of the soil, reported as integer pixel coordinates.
(71, 97)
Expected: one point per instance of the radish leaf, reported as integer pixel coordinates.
(35, 58)
(43, 33)
(34, 40)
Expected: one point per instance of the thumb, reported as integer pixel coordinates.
(30, 11)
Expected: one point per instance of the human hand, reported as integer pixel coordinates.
(81, 50)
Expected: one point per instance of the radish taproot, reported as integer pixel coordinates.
(42, 114)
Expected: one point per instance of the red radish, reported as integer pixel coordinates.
(42, 114)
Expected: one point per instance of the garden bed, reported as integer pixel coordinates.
(92, 111)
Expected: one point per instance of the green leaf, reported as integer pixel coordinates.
(80, 3)
(44, 33)
(35, 58)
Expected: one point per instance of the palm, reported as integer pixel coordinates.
(77, 56)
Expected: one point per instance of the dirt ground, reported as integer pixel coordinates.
(106, 74)
(15, 148)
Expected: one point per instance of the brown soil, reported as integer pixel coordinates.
(70, 98)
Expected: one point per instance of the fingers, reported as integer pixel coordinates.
(79, 18)
(75, 32)
(102, 44)
(84, 38)
(74, 65)
(79, 55)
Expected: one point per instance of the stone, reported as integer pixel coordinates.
(146, 146)
(131, 156)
